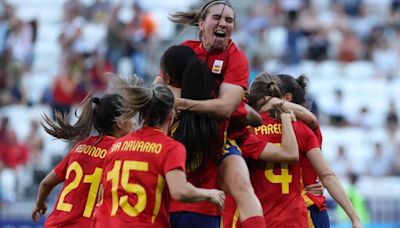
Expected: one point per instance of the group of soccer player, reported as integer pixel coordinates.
(203, 152)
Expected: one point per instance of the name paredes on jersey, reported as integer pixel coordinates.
(91, 150)
(268, 129)
(137, 145)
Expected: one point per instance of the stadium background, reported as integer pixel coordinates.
(349, 49)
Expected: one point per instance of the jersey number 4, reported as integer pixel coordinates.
(284, 178)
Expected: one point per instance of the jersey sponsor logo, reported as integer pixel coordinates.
(91, 151)
(137, 145)
(268, 129)
(217, 66)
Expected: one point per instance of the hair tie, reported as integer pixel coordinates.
(270, 84)
(96, 100)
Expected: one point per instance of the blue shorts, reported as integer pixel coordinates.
(194, 220)
(231, 148)
(320, 219)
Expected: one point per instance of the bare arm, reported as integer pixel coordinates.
(332, 183)
(184, 191)
(45, 187)
(253, 118)
(301, 112)
(229, 98)
(289, 150)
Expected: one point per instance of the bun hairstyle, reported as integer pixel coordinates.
(297, 87)
(100, 113)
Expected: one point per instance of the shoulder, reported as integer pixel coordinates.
(191, 43)
(171, 144)
(235, 50)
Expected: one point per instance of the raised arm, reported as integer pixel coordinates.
(229, 98)
(45, 187)
(301, 112)
(184, 191)
(332, 183)
(289, 150)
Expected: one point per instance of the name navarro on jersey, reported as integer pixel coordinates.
(91, 150)
(268, 129)
(137, 145)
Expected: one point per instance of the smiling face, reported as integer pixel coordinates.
(217, 27)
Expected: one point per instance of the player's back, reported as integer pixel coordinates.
(135, 191)
(81, 171)
(278, 185)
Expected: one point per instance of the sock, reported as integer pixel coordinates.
(254, 222)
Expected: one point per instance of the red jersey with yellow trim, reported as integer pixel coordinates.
(81, 171)
(278, 185)
(310, 176)
(229, 66)
(135, 191)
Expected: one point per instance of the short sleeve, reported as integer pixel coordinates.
(252, 147)
(318, 133)
(175, 157)
(237, 71)
(61, 169)
(306, 138)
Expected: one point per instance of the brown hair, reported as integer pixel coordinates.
(265, 85)
(100, 113)
(297, 87)
(153, 104)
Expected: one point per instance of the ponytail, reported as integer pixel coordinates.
(62, 129)
(153, 104)
(200, 133)
(263, 85)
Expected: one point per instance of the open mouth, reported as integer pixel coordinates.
(219, 34)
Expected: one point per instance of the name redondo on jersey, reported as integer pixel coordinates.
(268, 129)
(91, 150)
(137, 145)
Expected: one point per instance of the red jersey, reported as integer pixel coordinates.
(229, 66)
(202, 207)
(278, 185)
(135, 194)
(310, 177)
(81, 171)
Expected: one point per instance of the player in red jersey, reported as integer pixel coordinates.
(294, 91)
(143, 167)
(230, 70)
(81, 169)
(182, 69)
(266, 172)
(200, 134)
